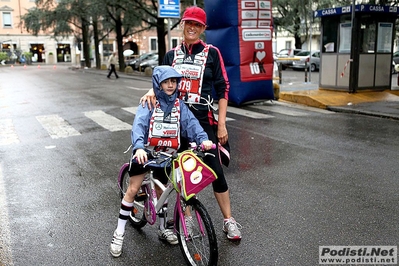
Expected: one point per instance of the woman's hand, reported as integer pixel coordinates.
(149, 98)
(207, 144)
(222, 134)
(141, 156)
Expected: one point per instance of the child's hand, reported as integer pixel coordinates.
(207, 144)
(141, 156)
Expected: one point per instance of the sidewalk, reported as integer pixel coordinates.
(382, 104)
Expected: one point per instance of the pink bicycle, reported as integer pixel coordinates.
(189, 175)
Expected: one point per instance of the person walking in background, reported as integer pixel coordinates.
(202, 68)
(112, 61)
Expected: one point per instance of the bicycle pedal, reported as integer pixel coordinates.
(140, 197)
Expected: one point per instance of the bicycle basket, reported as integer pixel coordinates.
(192, 174)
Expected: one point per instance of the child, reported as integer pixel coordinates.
(149, 132)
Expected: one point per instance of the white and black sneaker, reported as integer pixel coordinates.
(116, 244)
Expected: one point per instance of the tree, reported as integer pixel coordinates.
(96, 18)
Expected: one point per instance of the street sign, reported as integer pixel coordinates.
(169, 8)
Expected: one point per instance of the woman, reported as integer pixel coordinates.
(202, 68)
(170, 111)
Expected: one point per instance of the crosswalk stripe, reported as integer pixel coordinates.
(57, 127)
(8, 135)
(132, 110)
(247, 113)
(279, 110)
(138, 89)
(108, 121)
(303, 107)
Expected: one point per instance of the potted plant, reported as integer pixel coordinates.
(28, 57)
(3, 56)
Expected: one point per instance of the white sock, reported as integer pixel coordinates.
(124, 212)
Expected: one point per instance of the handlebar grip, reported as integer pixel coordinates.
(212, 148)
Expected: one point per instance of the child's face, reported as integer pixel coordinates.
(169, 86)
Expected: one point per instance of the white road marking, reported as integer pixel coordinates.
(132, 110)
(108, 121)
(138, 89)
(279, 110)
(303, 107)
(227, 118)
(8, 135)
(247, 113)
(57, 127)
(5, 235)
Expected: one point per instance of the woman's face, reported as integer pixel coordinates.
(192, 30)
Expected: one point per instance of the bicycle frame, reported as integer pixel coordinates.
(154, 204)
(197, 238)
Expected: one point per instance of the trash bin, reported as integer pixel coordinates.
(82, 63)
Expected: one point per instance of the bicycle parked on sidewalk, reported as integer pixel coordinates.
(189, 175)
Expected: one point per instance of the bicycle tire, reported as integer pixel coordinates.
(198, 249)
(137, 216)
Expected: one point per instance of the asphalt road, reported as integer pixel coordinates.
(300, 178)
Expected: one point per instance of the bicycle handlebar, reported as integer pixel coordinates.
(160, 156)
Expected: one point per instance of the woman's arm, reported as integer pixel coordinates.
(222, 130)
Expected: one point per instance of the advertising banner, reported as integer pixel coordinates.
(242, 30)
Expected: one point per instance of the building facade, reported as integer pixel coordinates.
(15, 40)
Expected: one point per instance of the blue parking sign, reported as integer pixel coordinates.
(169, 8)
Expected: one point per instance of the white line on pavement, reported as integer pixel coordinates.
(279, 110)
(138, 89)
(56, 126)
(132, 110)
(5, 236)
(108, 121)
(247, 113)
(8, 135)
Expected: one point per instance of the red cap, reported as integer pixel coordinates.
(195, 13)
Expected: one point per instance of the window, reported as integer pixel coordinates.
(367, 35)
(7, 20)
(174, 42)
(153, 44)
(288, 45)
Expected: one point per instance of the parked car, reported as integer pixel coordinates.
(284, 57)
(149, 62)
(307, 59)
(135, 63)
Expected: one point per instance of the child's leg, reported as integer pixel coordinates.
(127, 202)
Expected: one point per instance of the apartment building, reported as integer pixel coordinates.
(15, 40)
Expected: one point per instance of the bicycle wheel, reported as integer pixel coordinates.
(136, 217)
(200, 247)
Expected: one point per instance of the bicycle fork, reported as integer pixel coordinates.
(180, 210)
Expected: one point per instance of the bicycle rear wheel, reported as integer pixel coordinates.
(200, 247)
(137, 216)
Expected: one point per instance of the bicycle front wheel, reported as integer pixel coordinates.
(199, 246)
(137, 216)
